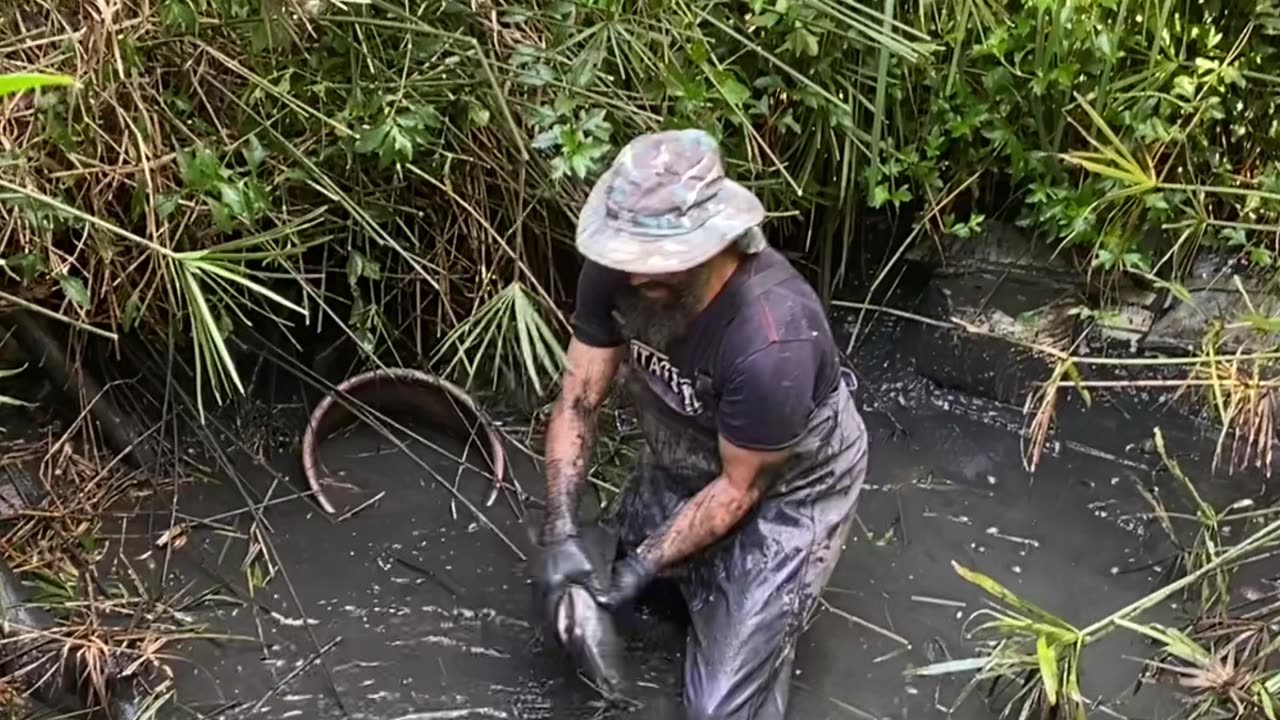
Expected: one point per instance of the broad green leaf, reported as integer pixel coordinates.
(178, 15)
(477, 114)
(734, 92)
(253, 152)
(73, 287)
(371, 139)
(166, 203)
(1048, 668)
(548, 139)
(21, 82)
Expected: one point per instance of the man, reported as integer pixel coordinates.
(754, 451)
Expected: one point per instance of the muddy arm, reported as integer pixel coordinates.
(716, 509)
(571, 432)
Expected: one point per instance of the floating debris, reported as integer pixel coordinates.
(938, 601)
(1027, 542)
(442, 641)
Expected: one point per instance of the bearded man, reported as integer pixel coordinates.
(754, 452)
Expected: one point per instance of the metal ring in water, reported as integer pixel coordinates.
(422, 394)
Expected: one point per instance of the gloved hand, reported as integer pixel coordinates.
(630, 575)
(563, 561)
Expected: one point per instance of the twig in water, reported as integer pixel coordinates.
(938, 601)
(870, 626)
(448, 585)
(362, 506)
(858, 712)
(315, 657)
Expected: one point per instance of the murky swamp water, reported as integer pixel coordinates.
(414, 609)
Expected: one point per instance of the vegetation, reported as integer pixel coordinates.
(413, 172)
(410, 173)
(1221, 658)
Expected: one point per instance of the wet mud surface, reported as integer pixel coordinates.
(413, 609)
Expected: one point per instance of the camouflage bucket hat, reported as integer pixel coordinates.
(665, 205)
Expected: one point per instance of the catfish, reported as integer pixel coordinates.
(583, 627)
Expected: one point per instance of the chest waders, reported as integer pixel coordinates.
(750, 594)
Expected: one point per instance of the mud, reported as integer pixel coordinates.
(412, 608)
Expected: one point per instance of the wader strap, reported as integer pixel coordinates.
(727, 308)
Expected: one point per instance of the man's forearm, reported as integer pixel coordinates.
(570, 433)
(704, 519)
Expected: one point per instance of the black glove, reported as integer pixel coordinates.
(563, 561)
(630, 575)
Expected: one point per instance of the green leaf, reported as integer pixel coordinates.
(880, 195)
(1266, 701)
(733, 91)
(359, 266)
(804, 42)
(548, 139)
(233, 199)
(477, 114)
(73, 287)
(1185, 86)
(1009, 598)
(765, 20)
(1176, 289)
(21, 82)
(166, 203)
(371, 139)
(132, 311)
(1048, 668)
(1176, 642)
(28, 265)
(253, 152)
(178, 15)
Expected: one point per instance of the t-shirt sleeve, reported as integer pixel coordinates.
(593, 321)
(767, 396)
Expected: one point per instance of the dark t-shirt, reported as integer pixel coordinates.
(769, 366)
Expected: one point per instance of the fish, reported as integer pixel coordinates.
(583, 627)
(38, 667)
(586, 630)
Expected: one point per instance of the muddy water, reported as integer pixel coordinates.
(413, 608)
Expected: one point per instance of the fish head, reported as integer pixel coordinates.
(586, 630)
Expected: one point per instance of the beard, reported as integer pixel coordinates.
(660, 322)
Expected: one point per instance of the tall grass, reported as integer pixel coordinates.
(411, 173)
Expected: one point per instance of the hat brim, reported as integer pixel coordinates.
(605, 243)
